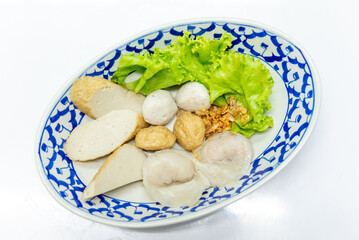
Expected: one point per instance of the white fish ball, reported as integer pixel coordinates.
(159, 107)
(193, 96)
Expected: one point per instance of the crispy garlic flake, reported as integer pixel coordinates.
(219, 119)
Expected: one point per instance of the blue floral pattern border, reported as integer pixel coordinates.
(280, 54)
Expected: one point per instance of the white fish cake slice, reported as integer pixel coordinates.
(96, 96)
(122, 167)
(102, 136)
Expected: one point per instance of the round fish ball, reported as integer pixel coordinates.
(172, 166)
(189, 130)
(159, 107)
(224, 158)
(171, 178)
(193, 96)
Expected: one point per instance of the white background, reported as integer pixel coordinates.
(43, 43)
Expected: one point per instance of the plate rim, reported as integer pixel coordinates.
(218, 206)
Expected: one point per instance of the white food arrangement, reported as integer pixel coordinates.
(173, 177)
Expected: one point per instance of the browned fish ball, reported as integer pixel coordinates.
(189, 130)
(155, 138)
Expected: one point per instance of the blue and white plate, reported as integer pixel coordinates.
(295, 107)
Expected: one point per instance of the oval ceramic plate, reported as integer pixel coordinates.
(295, 106)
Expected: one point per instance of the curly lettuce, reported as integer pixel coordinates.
(224, 72)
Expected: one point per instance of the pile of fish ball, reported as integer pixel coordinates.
(176, 177)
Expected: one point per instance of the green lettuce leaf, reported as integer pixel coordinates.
(225, 73)
(187, 60)
(249, 81)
